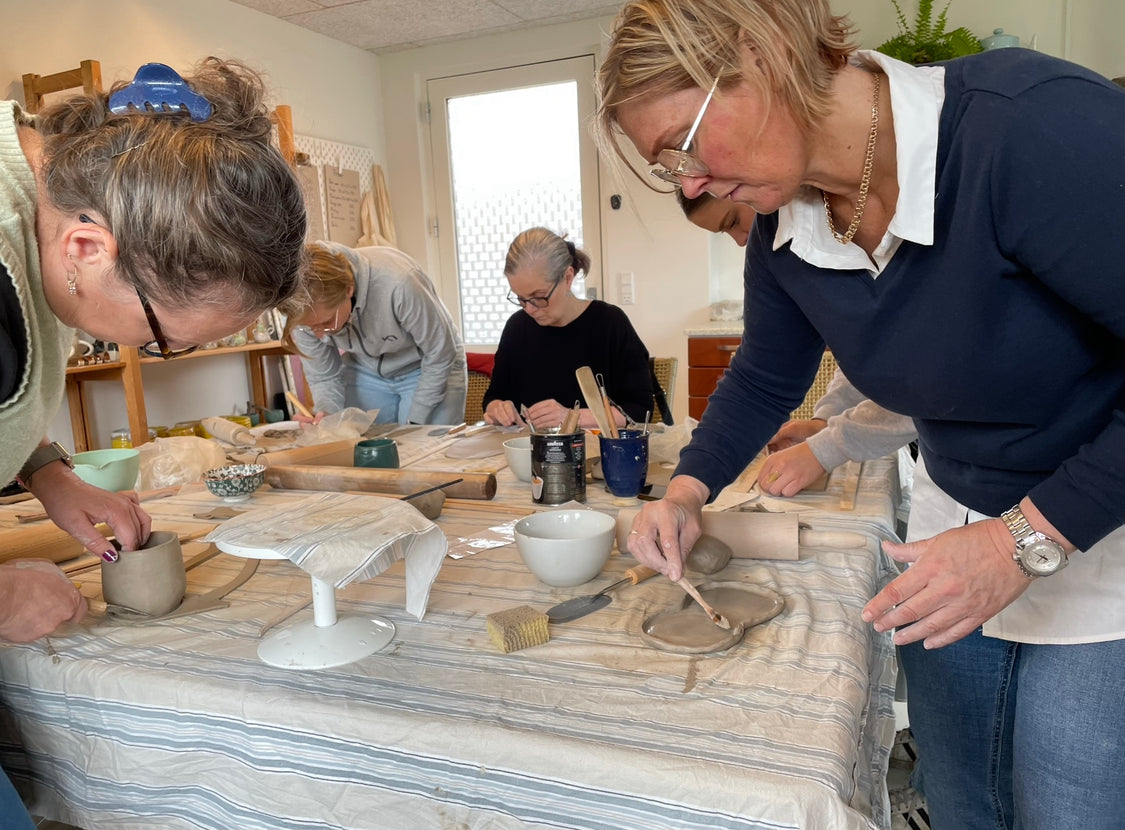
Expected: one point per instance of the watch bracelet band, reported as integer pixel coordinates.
(1018, 526)
(41, 457)
(1017, 523)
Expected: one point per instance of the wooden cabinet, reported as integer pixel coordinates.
(708, 358)
(127, 372)
(710, 355)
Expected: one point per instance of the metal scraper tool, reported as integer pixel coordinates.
(577, 607)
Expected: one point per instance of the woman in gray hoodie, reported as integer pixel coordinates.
(373, 333)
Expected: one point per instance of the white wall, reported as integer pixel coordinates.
(679, 269)
(333, 89)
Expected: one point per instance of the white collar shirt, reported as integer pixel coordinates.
(917, 95)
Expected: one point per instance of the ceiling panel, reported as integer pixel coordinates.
(387, 25)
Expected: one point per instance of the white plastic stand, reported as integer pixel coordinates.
(325, 641)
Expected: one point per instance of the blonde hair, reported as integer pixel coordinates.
(326, 278)
(203, 213)
(557, 253)
(659, 47)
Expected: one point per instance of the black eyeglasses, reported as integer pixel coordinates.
(534, 302)
(157, 347)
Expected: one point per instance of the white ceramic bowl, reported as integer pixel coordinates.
(518, 453)
(565, 547)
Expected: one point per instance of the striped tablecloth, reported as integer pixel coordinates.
(179, 724)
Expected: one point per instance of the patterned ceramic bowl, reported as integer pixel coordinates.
(236, 482)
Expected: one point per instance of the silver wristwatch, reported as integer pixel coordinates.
(1036, 554)
(41, 457)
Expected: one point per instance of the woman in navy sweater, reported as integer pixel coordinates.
(954, 234)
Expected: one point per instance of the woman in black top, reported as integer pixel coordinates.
(555, 334)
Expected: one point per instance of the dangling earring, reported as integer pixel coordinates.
(72, 278)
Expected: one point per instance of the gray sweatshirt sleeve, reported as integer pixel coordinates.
(323, 371)
(862, 432)
(839, 397)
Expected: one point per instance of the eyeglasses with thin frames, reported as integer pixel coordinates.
(321, 331)
(158, 346)
(675, 164)
(534, 302)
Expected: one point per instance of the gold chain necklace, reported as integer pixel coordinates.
(865, 180)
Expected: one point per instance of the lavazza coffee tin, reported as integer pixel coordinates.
(558, 468)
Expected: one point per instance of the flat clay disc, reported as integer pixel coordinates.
(740, 602)
(688, 629)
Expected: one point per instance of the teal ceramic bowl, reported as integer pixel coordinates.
(236, 482)
(114, 469)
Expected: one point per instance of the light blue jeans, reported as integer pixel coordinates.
(1014, 736)
(393, 396)
(13, 815)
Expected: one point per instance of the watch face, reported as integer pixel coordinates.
(1043, 557)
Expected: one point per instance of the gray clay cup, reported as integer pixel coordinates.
(150, 580)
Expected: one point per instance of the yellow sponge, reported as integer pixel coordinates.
(517, 628)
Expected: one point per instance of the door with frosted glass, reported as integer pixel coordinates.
(511, 150)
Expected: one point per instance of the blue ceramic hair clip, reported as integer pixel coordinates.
(157, 88)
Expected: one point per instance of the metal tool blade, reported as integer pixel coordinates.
(577, 607)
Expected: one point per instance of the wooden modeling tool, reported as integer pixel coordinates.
(592, 394)
(293, 399)
(613, 433)
(717, 618)
(570, 422)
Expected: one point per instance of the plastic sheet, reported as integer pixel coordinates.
(170, 462)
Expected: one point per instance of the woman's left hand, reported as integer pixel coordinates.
(957, 580)
(77, 507)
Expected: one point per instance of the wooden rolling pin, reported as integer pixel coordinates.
(377, 480)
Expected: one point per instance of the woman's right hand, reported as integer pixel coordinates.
(664, 532)
(501, 413)
(790, 471)
(35, 599)
(305, 419)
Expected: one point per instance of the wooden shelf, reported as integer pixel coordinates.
(270, 347)
(127, 372)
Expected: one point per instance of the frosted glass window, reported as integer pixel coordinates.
(514, 159)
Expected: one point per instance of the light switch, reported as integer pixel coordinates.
(626, 288)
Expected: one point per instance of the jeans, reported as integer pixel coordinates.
(1015, 736)
(13, 815)
(393, 397)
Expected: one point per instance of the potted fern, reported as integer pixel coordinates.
(928, 41)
